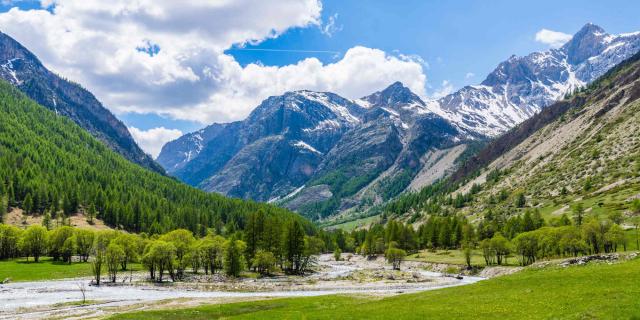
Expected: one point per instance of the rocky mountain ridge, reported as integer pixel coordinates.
(321, 154)
(521, 86)
(22, 69)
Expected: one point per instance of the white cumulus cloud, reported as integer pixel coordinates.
(152, 140)
(167, 57)
(554, 39)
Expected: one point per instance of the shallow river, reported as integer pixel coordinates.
(29, 294)
(29, 300)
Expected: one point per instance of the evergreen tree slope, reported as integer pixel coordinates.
(23, 69)
(49, 165)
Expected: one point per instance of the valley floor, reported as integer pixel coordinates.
(606, 290)
(354, 276)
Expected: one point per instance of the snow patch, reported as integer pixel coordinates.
(8, 66)
(303, 145)
(340, 111)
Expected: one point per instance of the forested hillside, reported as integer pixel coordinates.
(23, 69)
(50, 166)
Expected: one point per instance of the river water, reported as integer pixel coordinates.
(26, 300)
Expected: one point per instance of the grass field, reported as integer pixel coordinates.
(46, 269)
(361, 222)
(457, 256)
(454, 257)
(599, 291)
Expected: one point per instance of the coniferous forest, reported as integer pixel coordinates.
(50, 166)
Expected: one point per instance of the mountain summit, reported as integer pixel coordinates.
(521, 86)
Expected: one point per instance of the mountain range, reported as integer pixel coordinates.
(321, 154)
(577, 156)
(22, 69)
(521, 86)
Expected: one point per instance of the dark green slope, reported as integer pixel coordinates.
(48, 164)
(22, 68)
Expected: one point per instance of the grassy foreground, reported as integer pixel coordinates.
(46, 269)
(599, 291)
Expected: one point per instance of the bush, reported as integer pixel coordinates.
(337, 254)
(395, 256)
(264, 262)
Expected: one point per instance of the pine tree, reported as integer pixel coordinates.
(294, 246)
(520, 200)
(91, 213)
(46, 221)
(27, 204)
(234, 261)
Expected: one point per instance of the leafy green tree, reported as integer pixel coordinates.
(526, 245)
(46, 221)
(130, 244)
(194, 257)
(212, 250)
(501, 247)
(27, 204)
(113, 257)
(34, 241)
(395, 256)
(4, 205)
(615, 217)
(91, 213)
(264, 262)
(312, 247)
(593, 234)
(615, 237)
(68, 249)
(10, 241)
(101, 242)
(564, 220)
(467, 251)
(254, 232)
(159, 257)
(57, 238)
(84, 242)
(182, 240)
(636, 223)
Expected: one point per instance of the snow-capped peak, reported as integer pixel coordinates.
(521, 86)
(325, 99)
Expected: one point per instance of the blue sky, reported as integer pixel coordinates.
(454, 37)
(204, 68)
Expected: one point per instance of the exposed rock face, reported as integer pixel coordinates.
(22, 68)
(521, 86)
(324, 147)
(320, 154)
(176, 154)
